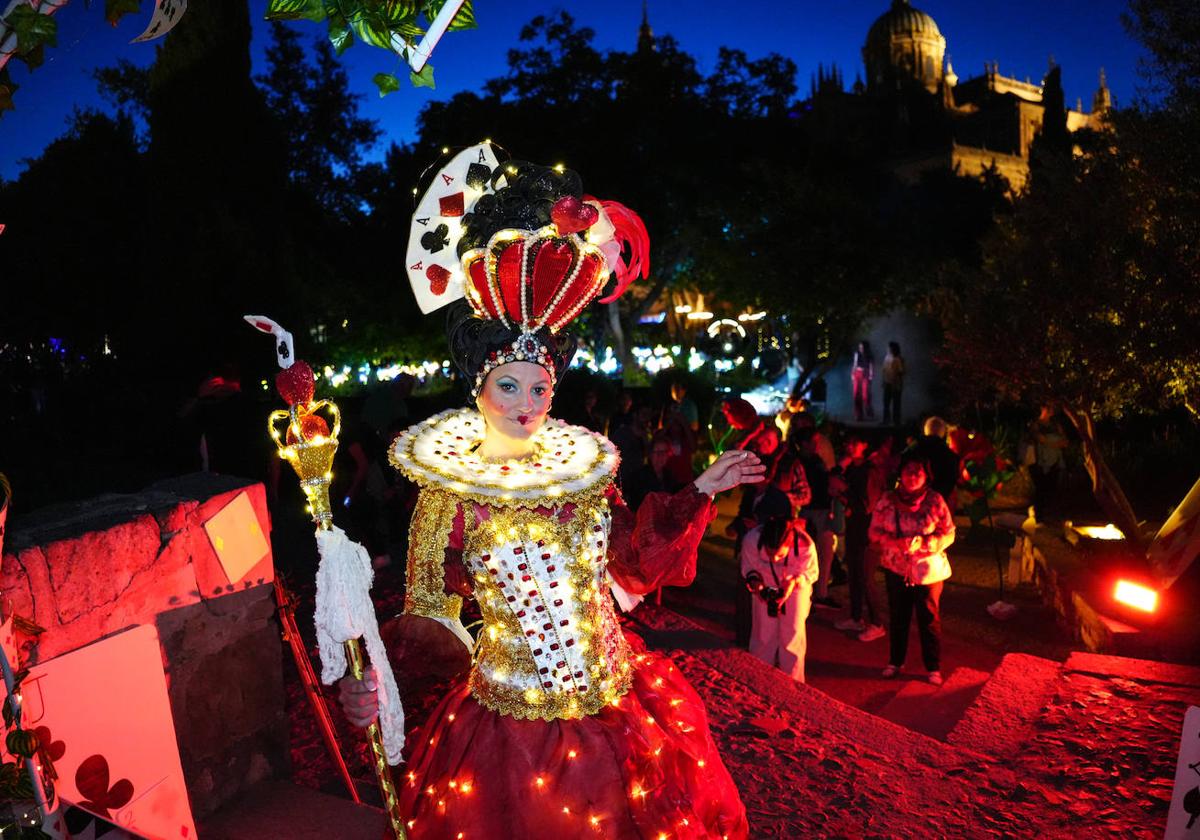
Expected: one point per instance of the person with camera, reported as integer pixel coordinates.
(913, 528)
(779, 566)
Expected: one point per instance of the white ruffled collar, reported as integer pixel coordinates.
(569, 462)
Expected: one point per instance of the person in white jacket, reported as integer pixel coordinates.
(779, 566)
(913, 528)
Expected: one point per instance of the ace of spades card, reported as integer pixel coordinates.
(434, 270)
(104, 712)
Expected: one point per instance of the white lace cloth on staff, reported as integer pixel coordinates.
(345, 611)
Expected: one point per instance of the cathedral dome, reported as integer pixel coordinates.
(901, 19)
(904, 46)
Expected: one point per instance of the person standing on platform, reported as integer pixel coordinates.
(893, 383)
(861, 374)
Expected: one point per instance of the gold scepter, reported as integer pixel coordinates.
(308, 443)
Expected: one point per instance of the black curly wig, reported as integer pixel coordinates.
(472, 339)
(523, 203)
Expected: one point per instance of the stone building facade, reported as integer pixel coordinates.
(936, 121)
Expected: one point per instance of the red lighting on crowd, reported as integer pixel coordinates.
(1136, 596)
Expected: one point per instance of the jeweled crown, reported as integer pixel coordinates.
(534, 279)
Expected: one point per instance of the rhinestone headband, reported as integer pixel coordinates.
(526, 348)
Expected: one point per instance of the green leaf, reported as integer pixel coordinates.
(424, 78)
(313, 10)
(339, 32)
(396, 12)
(386, 82)
(377, 23)
(408, 31)
(370, 30)
(32, 28)
(114, 10)
(463, 19)
(34, 58)
(7, 89)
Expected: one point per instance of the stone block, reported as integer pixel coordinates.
(1141, 670)
(89, 569)
(1002, 720)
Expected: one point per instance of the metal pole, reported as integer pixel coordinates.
(379, 756)
(383, 771)
(308, 678)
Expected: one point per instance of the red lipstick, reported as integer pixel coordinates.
(523, 419)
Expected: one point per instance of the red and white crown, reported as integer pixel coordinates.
(533, 279)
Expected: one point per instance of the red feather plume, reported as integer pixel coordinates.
(630, 232)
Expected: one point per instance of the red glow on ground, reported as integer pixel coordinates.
(1136, 596)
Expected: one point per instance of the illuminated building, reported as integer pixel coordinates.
(927, 118)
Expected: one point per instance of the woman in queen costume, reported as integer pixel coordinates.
(564, 727)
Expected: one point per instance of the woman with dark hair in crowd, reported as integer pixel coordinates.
(779, 564)
(861, 374)
(853, 479)
(912, 526)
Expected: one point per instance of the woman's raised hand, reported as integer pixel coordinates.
(359, 698)
(737, 466)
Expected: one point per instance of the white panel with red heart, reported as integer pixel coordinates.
(434, 270)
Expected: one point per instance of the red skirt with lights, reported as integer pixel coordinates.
(643, 768)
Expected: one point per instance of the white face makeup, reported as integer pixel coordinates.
(515, 399)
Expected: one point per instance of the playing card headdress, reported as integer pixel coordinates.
(527, 249)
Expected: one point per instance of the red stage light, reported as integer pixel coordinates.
(1137, 596)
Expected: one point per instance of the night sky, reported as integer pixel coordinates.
(1020, 34)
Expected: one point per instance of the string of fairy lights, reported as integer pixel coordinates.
(652, 360)
(541, 784)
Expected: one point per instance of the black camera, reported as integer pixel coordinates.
(773, 597)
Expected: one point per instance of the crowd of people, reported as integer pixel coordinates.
(833, 510)
(841, 512)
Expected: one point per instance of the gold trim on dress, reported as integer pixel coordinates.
(429, 535)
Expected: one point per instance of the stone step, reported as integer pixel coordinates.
(1005, 712)
(930, 709)
(1141, 670)
(680, 635)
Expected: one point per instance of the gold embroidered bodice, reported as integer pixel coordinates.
(535, 541)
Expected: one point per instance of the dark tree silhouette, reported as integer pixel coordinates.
(324, 136)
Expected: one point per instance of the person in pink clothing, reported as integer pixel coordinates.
(862, 371)
(913, 528)
(779, 566)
